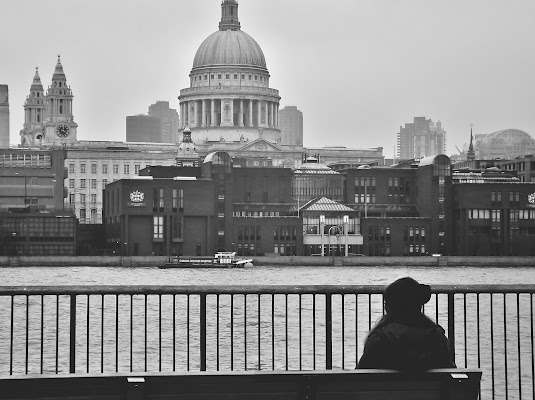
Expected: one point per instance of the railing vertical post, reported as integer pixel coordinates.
(202, 316)
(328, 331)
(72, 331)
(451, 324)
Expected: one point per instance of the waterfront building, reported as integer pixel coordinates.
(143, 128)
(330, 228)
(506, 143)
(421, 138)
(403, 208)
(32, 218)
(32, 178)
(169, 121)
(4, 117)
(494, 213)
(291, 126)
(237, 208)
(32, 231)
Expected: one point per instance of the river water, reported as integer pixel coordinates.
(502, 347)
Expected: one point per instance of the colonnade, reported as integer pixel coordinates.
(229, 112)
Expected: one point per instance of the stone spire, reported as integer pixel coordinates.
(471, 155)
(36, 84)
(229, 16)
(59, 75)
(34, 114)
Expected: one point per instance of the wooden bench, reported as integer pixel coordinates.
(445, 384)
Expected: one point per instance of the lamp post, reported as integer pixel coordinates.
(346, 233)
(53, 180)
(336, 230)
(322, 227)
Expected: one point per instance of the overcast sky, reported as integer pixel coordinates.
(357, 69)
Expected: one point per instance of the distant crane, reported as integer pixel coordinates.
(460, 152)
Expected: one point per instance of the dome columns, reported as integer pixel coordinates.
(229, 112)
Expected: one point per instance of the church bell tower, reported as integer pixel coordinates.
(60, 128)
(34, 114)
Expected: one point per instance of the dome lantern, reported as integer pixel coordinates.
(229, 16)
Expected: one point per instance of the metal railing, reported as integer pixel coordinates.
(107, 329)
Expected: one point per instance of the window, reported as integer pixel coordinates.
(104, 168)
(82, 168)
(93, 199)
(115, 169)
(255, 77)
(82, 198)
(158, 228)
(71, 168)
(104, 182)
(82, 214)
(250, 77)
(235, 76)
(82, 183)
(93, 183)
(93, 168)
(71, 183)
(177, 226)
(137, 167)
(243, 76)
(212, 76)
(126, 169)
(218, 76)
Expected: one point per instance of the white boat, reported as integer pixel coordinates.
(222, 259)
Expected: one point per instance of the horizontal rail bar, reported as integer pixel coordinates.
(250, 289)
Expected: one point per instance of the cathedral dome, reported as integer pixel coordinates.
(229, 47)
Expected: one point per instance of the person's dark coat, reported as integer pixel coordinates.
(411, 342)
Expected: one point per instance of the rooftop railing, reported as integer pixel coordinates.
(109, 329)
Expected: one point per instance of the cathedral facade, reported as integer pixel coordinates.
(229, 105)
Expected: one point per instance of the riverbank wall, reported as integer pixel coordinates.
(154, 261)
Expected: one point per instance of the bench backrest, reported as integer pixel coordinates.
(450, 384)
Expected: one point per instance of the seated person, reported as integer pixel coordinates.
(404, 338)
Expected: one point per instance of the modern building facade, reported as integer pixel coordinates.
(421, 138)
(143, 128)
(507, 143)
(4, 117)
(32, 218)
(494, 214)
(32, 178)
(291, 126)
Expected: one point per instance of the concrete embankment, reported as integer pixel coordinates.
(154, 261)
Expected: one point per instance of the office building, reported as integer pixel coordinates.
(169, 121)
(291, 126)
(421, 138)
(143, 128)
